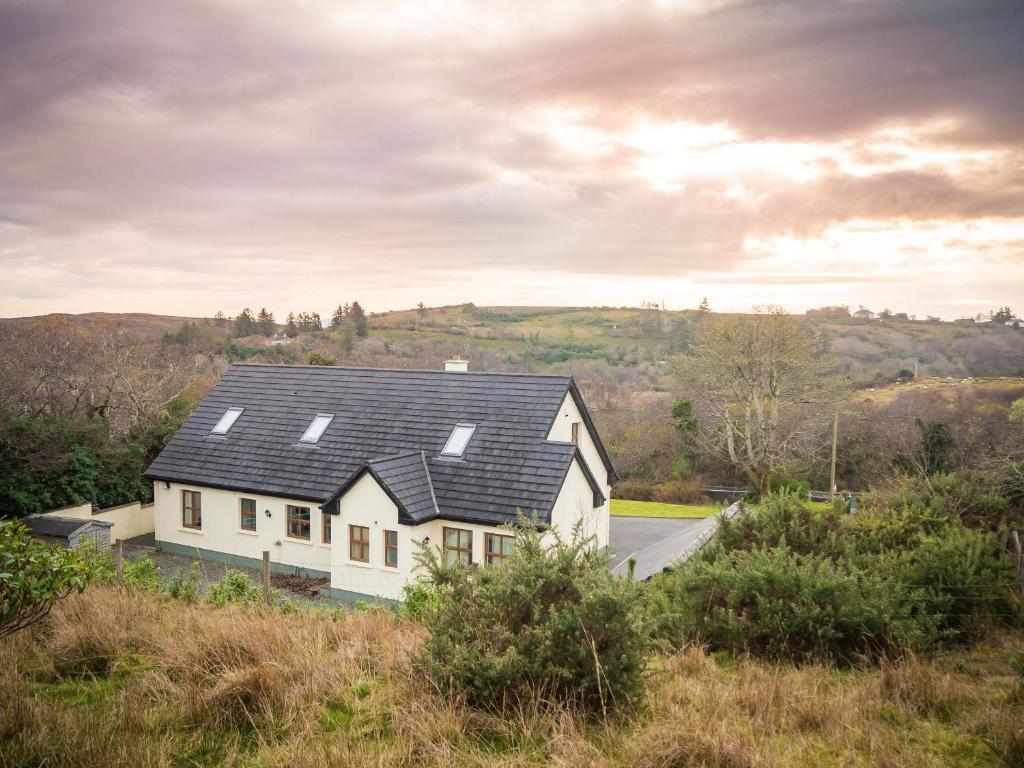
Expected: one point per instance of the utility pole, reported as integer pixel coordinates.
(835, 438)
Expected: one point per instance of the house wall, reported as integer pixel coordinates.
(129, 520)
(221, 538)
(561, 430)
(576, 502)
(368, 505)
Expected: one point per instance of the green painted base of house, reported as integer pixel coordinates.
(243, 562)
(345, 596)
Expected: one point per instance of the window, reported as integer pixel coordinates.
(191, 510)
(576, 432)
(498, 547)
(391, 549)
(325, 527)
(298, 522)
(458, 546)
(247, 521)
(359, 543)
(458, 440)
(316, 428)
(226, 421)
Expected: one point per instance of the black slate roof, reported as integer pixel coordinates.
(392, 423)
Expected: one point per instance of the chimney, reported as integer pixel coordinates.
(456, 365)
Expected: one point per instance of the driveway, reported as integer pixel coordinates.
(629, 535)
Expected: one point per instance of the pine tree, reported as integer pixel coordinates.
(266, 322)
(245, 323)
(359, 320)
(314, 322)
(347, 341)
(291, 330)
(338, 317)
(704, 306)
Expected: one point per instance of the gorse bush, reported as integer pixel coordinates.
(785, 581)
(549, 623)
(236, 587)
(783, 519)
(976, 499)
(143, 573)
(777, 603)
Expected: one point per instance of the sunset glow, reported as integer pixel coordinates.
(581, 153)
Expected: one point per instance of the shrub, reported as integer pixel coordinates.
(143, 573)
(185, 587)
(962, 577)
(637, 490)
(680, 491)
(548, 623)
(34, 576)
(784, 519)
(780, 604)
(970, 497)
(236, 587)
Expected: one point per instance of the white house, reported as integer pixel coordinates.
(341, 472)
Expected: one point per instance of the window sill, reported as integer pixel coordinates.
(359, 563)
(183, 529)
(325, 545)
(305, 542)
(246, 533)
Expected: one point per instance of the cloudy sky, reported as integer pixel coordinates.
(192, 156)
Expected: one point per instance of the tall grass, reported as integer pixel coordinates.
(131, 679)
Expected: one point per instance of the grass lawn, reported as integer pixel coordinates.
(630, 508)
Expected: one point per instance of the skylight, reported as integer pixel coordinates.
(226, 421)
(316, 428)
(458, 440)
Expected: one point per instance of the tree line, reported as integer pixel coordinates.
(345, 316)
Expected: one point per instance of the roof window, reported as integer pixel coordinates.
(458, 440)
(226, 421)
(316, 428)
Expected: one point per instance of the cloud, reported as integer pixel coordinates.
(269, 153)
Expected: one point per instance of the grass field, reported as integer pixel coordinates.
(630, 508)
(171, 685)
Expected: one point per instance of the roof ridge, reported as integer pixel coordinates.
(564, 376)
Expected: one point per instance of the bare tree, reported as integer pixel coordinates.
(765, 389)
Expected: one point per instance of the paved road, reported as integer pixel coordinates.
(632, 534)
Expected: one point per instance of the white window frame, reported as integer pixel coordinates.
(312, 435)
(453, 449)
(227, 421)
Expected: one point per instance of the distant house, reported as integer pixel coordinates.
(342, 473)
(863, 314)
(69, 532)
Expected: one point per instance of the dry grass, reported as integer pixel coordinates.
(124, 679)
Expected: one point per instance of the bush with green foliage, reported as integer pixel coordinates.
(234, 588)
(974, 498)
(185, 586)
(783, 519)
(34, 576)
(787, 581)
(781, 604)
(548, 623)
(143, 573)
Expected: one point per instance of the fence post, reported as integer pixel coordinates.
(119, 562)
(1015, 541)
(265, 575)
